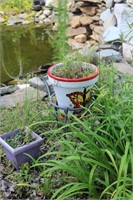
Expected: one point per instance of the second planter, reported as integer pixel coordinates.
(17, 156)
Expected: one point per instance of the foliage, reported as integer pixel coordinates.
(94, 158)
(26, 114)
(88, 158)
(76, 65)
(37, 116)
(60, 39)
(21, 138)
(72, 62)
(16, 5)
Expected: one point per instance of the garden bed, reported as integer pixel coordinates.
(86, 158)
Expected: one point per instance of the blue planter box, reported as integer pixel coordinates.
(18, 155)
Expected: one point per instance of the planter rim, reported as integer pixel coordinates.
(73, 79)
(17, 150)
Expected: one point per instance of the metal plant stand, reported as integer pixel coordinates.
(55, 105)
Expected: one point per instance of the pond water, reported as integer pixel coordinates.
(23, 49)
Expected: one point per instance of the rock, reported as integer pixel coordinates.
(47, 21)
(42, 17)
(14, 20)
(8, 89)
(39, 2)
(118, 10)
(97, 38)
(52, 18)
(75, 45)
(110, 54)
(92, 26)
(90, 43)
(71, 32)
(15, 82)
(43, 68)
(94, 1)
(72, 7)
(124, 67)
(37, 7)
(88, 10)
(108, 46)
(109, 3)
(80, 3)
(23, 15)
(36, 82)
(105, 14)
(117, 78)
(40, 22)
(118, 1)
(130, 3)
(95, 18)
(47, 12)
(1, 13)
(88, 52)
(124, 16)
(53, 3)
(99, 11)
(2, 19)
(99, 29)
(23, 86)
(36, 20)
(127, 51)
(75, 22)
(26, 22)
(39, 13)
(20, 96)
(111, 21)
(112, 33)
(55, 27)
(85, 20)
(80, 38)
(101, 5)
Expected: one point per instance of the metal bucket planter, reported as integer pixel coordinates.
(18, 155)
(73, 93)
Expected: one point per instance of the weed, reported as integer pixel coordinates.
(21, 138)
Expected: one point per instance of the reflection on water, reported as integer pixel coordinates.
(24, 49)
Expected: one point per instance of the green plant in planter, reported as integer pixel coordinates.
(20, 143)
(60, 41)
(72, 62)
(74, 66)
(21, 138)
(72, 78)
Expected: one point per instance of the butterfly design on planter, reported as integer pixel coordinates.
(80, 98)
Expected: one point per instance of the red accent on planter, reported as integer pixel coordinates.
(73, 79)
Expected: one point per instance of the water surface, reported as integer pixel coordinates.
(23, 49)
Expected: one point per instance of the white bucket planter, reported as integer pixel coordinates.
(73, 93)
